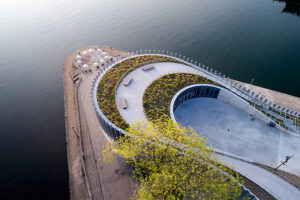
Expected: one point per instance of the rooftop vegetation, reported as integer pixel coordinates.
(109, 82)
(159, 94)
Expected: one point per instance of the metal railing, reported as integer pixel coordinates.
(258, 100)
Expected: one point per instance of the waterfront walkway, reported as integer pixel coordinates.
(89, 176)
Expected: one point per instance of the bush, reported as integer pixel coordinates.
(159, 94)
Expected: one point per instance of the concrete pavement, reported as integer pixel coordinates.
(273, 184)
(100, 181)
(229, 129)
(116, 183)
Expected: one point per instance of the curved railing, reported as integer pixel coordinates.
(232, 85)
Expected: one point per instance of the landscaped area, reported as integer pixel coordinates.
(109, 82)
(158, 96)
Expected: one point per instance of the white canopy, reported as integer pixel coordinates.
(91, 50)
(84, 53)
(78, 57)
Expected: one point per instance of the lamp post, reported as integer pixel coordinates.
(287, 158)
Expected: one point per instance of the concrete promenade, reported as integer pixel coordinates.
(232, 130)
(276, 97)
(77, 184)
(97, 180)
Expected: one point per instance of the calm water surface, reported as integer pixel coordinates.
(243, 39)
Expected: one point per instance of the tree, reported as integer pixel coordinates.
(173, 162)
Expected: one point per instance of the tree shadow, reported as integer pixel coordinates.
(291, 6)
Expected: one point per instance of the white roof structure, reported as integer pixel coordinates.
(85, 66)
(91, 50)
(78, 57)
(84, 53)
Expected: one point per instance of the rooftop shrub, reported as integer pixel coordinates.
(158, 96)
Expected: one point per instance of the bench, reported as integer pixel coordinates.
(123, 103)
(148, 67)
(128, 81)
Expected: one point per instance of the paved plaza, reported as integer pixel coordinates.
(231, 130)
(133, 93)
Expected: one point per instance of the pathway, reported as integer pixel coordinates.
(273, 184)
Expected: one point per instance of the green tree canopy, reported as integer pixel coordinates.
(173, 162)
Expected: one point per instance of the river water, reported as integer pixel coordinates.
(243, 39)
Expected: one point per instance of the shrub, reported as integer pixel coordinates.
(159, 94)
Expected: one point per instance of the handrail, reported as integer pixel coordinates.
(226, 82)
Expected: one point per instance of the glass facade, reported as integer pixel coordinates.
(196, 92)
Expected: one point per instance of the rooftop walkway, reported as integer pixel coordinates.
(133, 93)
(273, 184)
(282, 144)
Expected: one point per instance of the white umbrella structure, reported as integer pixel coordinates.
(84, 53)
